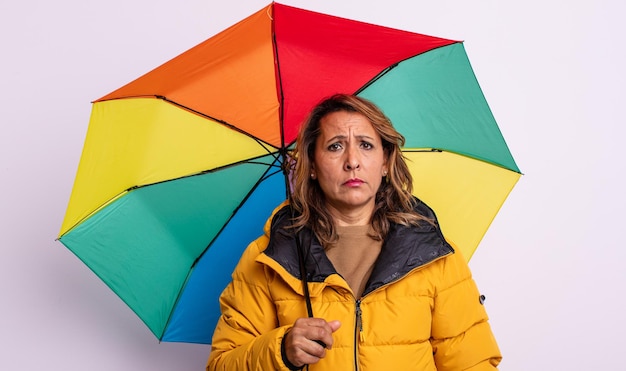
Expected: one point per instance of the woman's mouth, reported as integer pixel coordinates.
(353, 182)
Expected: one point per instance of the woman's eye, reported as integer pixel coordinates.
(334, 147)
(366, 145)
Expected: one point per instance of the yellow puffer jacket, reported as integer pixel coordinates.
(421, 309)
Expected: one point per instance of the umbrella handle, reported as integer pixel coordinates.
(305, 285)
(303, 277)
(301, 258)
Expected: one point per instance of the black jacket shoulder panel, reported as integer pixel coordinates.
(283, 248)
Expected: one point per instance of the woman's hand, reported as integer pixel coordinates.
(304, 343)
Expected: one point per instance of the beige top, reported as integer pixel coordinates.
(353, 256)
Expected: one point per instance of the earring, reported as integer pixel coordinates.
(385, 173)
(312, 176)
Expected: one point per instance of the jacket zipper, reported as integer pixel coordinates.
(359, 336)
(358, 333)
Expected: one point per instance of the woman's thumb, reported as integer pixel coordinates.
(334, 325)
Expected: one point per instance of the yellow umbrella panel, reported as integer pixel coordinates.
(135, 142)
(465, 193)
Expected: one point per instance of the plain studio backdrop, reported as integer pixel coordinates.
(551, 266)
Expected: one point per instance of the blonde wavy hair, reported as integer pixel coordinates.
(394, 201)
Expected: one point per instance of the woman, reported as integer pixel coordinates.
(386, 290)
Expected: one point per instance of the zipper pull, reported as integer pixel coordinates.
(359, 320)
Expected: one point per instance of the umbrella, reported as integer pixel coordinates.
(182, 166)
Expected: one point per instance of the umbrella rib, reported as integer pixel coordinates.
(279, 80)
(135, 187)
(375, 78)
(438, 150)
(391, 67)
(249, 161)
(284, 153)
(195, 262)
(265, 175)
(285, 169)
(261, 142)
(241, 203)
(422, 150)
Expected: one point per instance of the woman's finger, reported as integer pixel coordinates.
(308, 339)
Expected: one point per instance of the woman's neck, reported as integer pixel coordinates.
(346, 217)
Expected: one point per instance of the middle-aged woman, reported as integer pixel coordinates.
(386, 290)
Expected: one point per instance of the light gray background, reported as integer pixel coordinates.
(551, 266)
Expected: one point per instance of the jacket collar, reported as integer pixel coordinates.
(404, 249)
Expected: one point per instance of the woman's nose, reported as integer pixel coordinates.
(351, 166)
(352, 160)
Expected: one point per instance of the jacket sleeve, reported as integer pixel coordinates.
(461, 336)
(247, 336)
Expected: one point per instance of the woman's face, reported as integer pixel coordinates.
(349, 163)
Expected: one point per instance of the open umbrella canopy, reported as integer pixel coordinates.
(181, 167)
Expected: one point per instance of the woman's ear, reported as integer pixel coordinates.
(386, 164)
